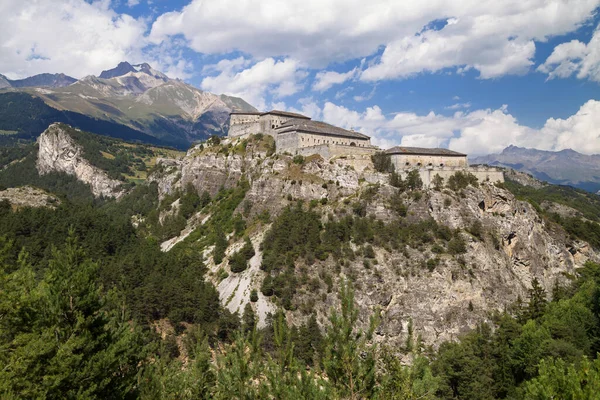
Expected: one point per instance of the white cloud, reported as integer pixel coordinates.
(494, 38)
(267, 77)
(458, 106)
(575, 57)
(477, 132)
(74, 37)
(326, 79)
(132, 3)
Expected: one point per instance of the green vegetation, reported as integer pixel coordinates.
(585, 226)
(299, 234)
(382, 162)
(30, 116)
(539, 352)
(460, 180)
(120, 160)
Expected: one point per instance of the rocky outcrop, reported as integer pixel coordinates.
(58, 152)
(440, 294)
(27, 196)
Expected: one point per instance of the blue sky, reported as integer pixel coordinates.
(474, 76)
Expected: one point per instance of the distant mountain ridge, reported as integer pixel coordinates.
(565, 167)
(138, 97)
(41, 80)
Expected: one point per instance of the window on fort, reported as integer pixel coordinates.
(430, 164)
(442, 164)
(418, 164)
(353, 144)
(407, 164)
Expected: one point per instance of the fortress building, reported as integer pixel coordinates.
(241, 124)
(417, 157)
(441, 162)
(298, 134)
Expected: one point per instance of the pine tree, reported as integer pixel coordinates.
(349, 358)
(62, 337)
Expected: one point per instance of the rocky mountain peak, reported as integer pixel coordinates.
(123, 68)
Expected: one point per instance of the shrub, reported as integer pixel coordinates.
(461, 180)
(253, 296)
(298, 160)
(382, 162)
(457, 245)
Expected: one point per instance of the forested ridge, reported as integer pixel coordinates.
(90, 307)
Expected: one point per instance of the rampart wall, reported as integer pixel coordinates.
(482, 174)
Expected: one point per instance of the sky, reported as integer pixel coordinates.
(471, 75)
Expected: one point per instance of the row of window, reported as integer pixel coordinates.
(319, 141)
(420, 165)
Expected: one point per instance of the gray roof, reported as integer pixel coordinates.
(245, 113)
(318, 127)
(424, 151)
(285, 114)
(272, 112)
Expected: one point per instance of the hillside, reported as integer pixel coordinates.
(565, 167)
(233, 255)
(138, 98)
(23, 117)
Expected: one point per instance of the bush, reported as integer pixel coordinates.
(253, 296)
(413, 180)
(457, 245)
(298, 160)
(382, 162)
(461, 180)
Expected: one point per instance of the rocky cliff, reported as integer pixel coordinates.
(58, 152)
(422, 289)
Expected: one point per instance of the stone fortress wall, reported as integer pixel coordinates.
(402, 161)
(296, 142)
(328, 151)
(483, 174)
(251, 123)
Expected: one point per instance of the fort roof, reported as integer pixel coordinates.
(318, 127)
(245, 113)
(272, 112)
(285, 114)
(424, 151)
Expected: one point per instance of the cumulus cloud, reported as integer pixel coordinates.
(326, 79)
(575, 58)
(477, 132)
(494, 38)
(74, 37)
(278, 78)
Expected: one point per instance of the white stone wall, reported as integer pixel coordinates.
(402, 161)
(286, 142)
(483, 174)
(328, 151)
(242, 124)
(310, 139)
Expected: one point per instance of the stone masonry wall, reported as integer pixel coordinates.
(483, 174)
(402, 161)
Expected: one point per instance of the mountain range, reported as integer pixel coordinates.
(565, 167)
(135, 96)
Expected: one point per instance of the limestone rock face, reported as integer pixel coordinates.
(507, 244)
(57, 151)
